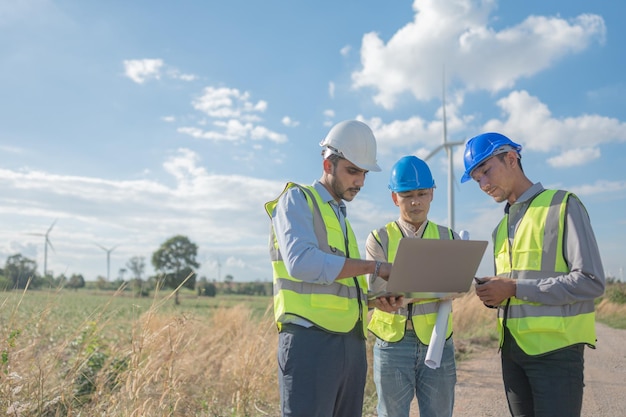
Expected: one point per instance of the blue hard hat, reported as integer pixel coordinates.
(410, 173)
(479, 148)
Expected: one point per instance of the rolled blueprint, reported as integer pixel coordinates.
(438, 338)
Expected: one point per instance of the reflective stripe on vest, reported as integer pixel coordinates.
(336, 307)
(389, 326)
(536, 253)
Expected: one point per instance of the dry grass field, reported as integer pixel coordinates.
(70, 353)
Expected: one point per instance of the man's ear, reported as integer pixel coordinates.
(511, 158)
(394, 197)
(328, 166)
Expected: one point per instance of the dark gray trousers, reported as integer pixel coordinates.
(321, 374)
(549, 385)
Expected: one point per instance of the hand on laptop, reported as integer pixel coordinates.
(387, 303)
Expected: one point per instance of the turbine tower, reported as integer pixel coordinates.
(219, 269)
(108, 251)
(46, 243)
(448, 147)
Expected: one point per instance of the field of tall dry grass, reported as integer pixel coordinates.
(78, 354)
(215, 362)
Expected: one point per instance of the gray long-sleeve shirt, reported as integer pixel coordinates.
(585, 280)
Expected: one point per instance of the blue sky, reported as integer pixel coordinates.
(130, 122)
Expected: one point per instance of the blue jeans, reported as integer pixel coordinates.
(400, 373)
(549, 385)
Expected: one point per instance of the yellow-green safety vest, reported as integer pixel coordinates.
(536, 252)
(336, 307)
(392, 326)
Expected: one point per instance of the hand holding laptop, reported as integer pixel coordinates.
(386, 301)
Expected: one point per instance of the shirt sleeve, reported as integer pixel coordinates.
(374, 251)
(586, 280)
(293, 226)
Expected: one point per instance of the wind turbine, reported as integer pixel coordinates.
(46, 243)
(448, 147)
(108, 251)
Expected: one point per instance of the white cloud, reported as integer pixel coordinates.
(11, 149)
(235, 131)
(142, 70)
(228, 102)
(329, 115)
(287, 121)
(261, 132)
(345, 50)
(331, 89)
(417, 135)
(599, 187)
(574, 157)
(236, 117)
(146, 212)
(175, 74)
(529, 120)
(456, 34)
(411, 132)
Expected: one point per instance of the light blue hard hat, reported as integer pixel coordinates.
(410, 173)
(479, 148)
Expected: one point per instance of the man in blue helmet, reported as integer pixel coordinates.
(548, 273)
(403, 336)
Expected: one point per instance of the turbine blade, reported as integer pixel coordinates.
(51, 226)
(434, 151)
(50, 244)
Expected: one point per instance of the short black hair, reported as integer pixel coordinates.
(334, 159)
(501, 156)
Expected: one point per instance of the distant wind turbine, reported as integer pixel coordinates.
(108, 251)
(46, 243)
(447, 146)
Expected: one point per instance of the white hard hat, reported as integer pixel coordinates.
(354, 141)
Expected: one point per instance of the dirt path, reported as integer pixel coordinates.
(479, 391)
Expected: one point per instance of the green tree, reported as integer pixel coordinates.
(176, 260)
(206, 288)
(76, 281)
(60, 281)
(101, 282)
(136, 265)
(19, 269)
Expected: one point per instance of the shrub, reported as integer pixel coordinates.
(616, 293)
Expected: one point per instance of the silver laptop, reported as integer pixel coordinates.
(434, 268)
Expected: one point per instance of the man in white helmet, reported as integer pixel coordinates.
(320, 283)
